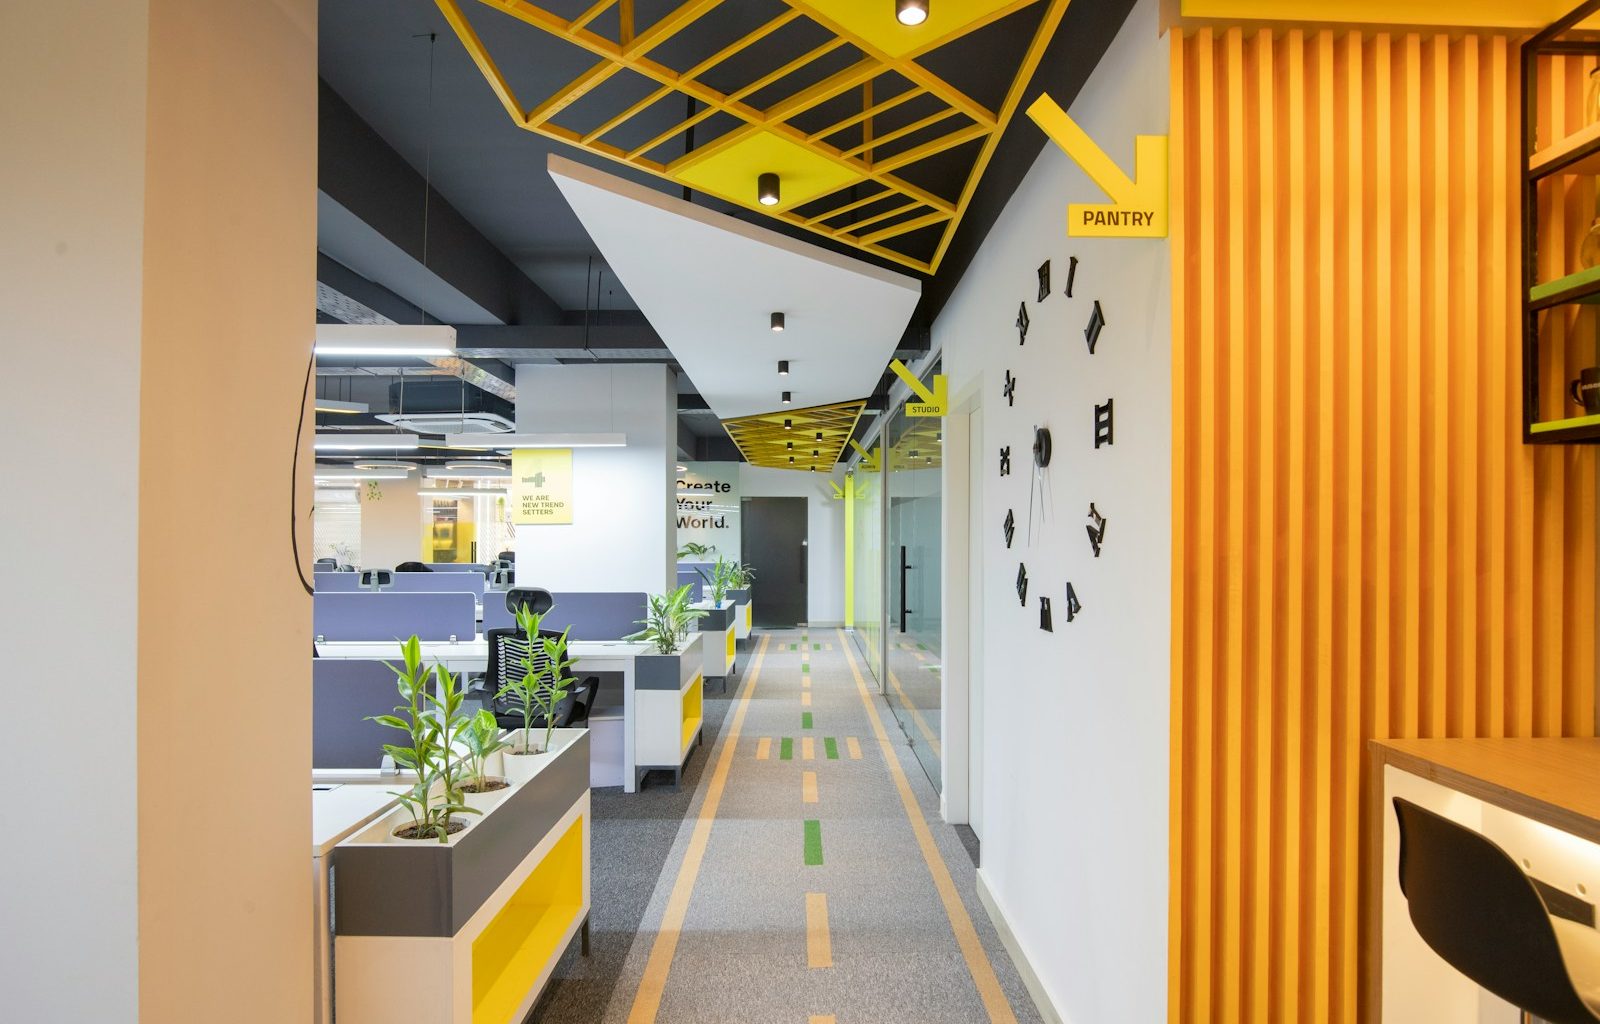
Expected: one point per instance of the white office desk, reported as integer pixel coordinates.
(473, 656)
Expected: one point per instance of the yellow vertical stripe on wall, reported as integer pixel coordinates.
(1362, 545)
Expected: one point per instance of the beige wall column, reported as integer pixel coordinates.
(157, 187)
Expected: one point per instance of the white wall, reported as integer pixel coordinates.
(624, 534)
(1074, 745)
(391, 524)
(72, 202)
(824, 532)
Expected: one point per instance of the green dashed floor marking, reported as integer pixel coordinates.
(922, 647)
(813, 843)
(806, 667)
(830, 746)
(805, 719)
(786, 750)
(794, 647)
(816, 647)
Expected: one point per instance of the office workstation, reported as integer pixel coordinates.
(835, 511)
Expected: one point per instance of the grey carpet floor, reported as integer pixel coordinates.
(741, 953)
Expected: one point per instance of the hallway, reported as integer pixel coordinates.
(811, 878)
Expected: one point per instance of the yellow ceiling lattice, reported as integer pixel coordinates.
(803, 439)
(860, 192)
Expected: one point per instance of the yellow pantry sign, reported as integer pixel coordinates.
(541, 486)
(1138, 207)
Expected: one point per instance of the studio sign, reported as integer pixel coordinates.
(697, 513)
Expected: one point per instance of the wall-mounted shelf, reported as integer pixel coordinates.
(1576, 153)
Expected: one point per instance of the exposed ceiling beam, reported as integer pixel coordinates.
(370, 195)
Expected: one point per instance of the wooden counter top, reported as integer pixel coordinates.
(1556, 781)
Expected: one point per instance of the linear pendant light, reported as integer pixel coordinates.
(418, 340)
(336, 405)
(356, 441)
(506, 442)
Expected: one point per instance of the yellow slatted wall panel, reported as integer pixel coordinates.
(1362, 545)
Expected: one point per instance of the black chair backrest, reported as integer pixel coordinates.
(585, 702)
(507, 556)
(380, 577)
(507, 648)
(328, 561)
(537, 599)
(412, 567)
(1472, 903)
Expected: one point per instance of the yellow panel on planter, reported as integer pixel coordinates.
(875, 23)
(731, 171)
(732, 644)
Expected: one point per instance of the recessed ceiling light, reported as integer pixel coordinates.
(786, 396)
(683, 469)
(777, 322)
(911, 12)
(783, 367)
(386, 340)
(767, 189)
(368, 464)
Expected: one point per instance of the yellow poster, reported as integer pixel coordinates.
(541, 486)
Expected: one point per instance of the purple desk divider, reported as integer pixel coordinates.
(438, 583)
(477, 567)
(390, 616)
(343, 693)
(337, 582)
(596, 616)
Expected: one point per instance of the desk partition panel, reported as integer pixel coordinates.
(477, 567)
(336, 582)
(393, 616)
(596, 616)
(438, 583)
(343, 693)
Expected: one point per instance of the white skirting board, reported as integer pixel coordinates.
(1008, 938)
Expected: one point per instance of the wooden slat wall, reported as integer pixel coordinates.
(1362, 545)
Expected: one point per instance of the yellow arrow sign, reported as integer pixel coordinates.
(935, 402)
(869, 460)
(1138, 207)
(838, 492)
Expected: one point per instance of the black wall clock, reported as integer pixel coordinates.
(1041, 447)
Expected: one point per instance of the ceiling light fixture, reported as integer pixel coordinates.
(790, 446)
(356, 441)
(777, 322)
(783, 367)
(350, 476)
(791, 460)
(386, 340)
(767, 189)
(819, 435)
(343, 408)
(380, 466)
(786, 396)
(911, 12)
(788, 424)
(506, 442)
(683, 469)
(459, 471)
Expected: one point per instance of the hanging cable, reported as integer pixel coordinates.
(294, 476)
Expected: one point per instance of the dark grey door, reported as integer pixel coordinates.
(774, 544)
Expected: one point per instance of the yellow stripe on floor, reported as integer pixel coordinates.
(983, 976)
(916, 715)
(829, 1019)
(819, 944)
(647, 1000)
(808, 749)
(805, 699)
(806, 682)
(764, 748)
(854, 747)
(808, 787)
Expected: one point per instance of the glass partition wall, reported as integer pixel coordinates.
(866, 545)
(914, 467)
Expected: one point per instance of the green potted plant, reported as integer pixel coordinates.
(431, 718)
(720, 580)
(739, 593)
(481, 738)
(693, 549)
(667, 623)
(536, 693)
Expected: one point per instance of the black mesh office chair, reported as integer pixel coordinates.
(332, 563)
(376, 579)
(507, 648)
(537, 599)
(509, 557)
(1474, 906)
(584, 704)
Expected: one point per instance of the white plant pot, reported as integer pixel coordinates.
(406, 820)
(484, 801)
(520, 768)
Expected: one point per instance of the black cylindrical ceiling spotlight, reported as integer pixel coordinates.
(786, 396)
(788, 424)
(767, 186)
(790, 446)
(791, 460)
(783, 367)
(911, 12)
(819, 435)
(777, 322)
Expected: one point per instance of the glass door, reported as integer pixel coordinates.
(914, 463)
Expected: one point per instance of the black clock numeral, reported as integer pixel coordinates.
(1097, 320)
(1044, 281)
(1022, 584)
(1010, 389)
(1044, 615)
(1010, 526)
(1102, 424)
(1005, 461)
(1073, 607)
(1072, 272)
(1022, 324)
(1096, 528)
